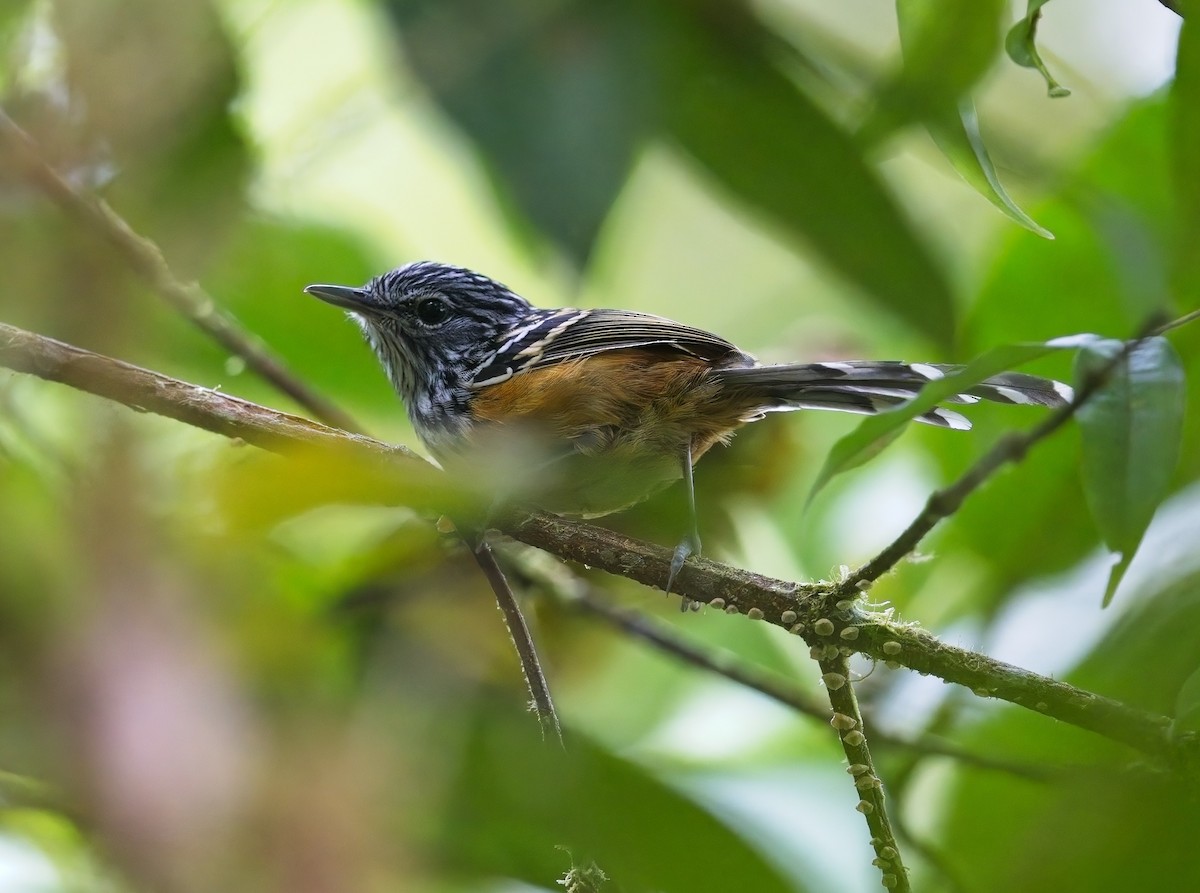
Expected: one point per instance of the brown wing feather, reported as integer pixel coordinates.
(604, 330)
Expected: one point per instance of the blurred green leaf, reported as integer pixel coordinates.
(773, 148)
(516, 77)
(947, 48)
(875, 432)
(12, 17)
(180, 160)
(933, 89)
(557, 96)
(1131, 433)
(959, 138)
(1185, 149)
(1187, 705)
(524, 808)
(1075, 832)
(1021, 46)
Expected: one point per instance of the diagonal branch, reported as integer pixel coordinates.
(146, 259)
(191, 301)
(403, 478)
(1011, 448)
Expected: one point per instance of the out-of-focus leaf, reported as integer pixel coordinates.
(1036, 290)
(157, 82)
(1185, 149)
(875, 432)
(960, 140)
(1074, 832)
(768, 144)
(557, 95)
(1131, 433)
(12, 17)
(525, 808)
(1187, 705)
(1021, 46)
(260, 279)
(947, 47)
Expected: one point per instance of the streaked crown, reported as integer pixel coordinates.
(431, 325)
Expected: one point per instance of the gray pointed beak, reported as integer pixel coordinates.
(357, 299)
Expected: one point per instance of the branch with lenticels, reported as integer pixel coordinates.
(823, 614)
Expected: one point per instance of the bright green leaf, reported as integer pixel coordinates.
(1131, 433)
(1021, 46)
(876, 431)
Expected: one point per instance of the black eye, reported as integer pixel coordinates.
(432, 311)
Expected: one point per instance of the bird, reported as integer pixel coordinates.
(600, 408)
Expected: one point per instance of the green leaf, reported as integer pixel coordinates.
(1131, 434)
(525, 808)
(1185, 149)
(960, 140)
(877, 431)
(558, 99)
(1187, 705)
(1021, 46)
(928, 36)
(771, 146)
(947, 48)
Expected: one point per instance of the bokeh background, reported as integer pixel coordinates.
(199, 694)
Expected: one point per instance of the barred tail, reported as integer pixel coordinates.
(869, 387)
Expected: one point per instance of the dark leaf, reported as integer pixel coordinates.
(557, 96)
(773, 148)
(527, 809)
(1131, 433)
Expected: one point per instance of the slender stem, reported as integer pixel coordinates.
(518, 632)
(848, 721)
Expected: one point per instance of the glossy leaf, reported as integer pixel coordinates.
(1021, 46)
(1131, 433)
(875, 432)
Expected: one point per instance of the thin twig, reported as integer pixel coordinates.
(1010, 448)
(408, 480)
(146, 259)
(847, 720)
(518, 632)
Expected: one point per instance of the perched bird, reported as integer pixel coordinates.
(602, 407)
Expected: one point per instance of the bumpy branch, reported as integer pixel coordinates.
(820, 613)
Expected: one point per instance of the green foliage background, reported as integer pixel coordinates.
(195, 698)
